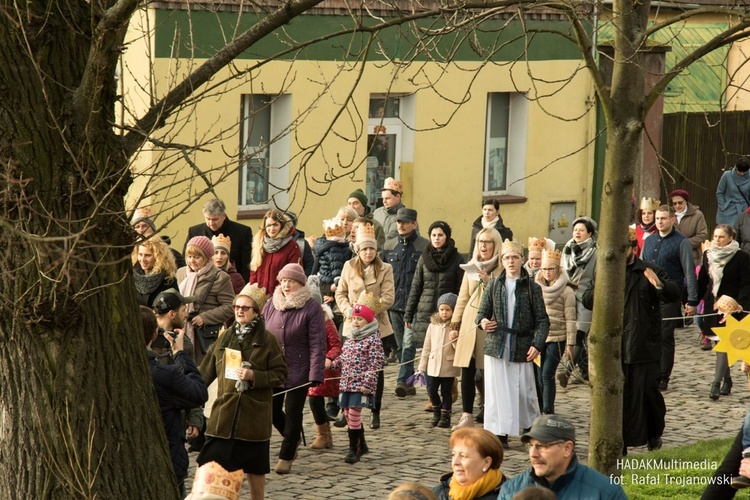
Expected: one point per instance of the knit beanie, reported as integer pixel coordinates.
(363, 312)
(680, 192)
(204, 244)
(144, 215)
(293, 272)
(360, 195)
(448, 299)
(442, 225)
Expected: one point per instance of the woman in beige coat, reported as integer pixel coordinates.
(212, 289)
(366, 273)
(468, 337)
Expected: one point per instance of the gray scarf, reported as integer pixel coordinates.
(273, 245)
(364, 332)
(146, 283)
(717, 259)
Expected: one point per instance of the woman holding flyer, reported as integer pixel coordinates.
(248, 363)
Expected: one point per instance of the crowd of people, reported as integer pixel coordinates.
(278, 319)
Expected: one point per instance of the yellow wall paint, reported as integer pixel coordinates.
(445, 178)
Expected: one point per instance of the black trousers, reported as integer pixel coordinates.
(318, 409)
(668, 310)
(440, 387)
(720, 488)
(287, 418)
(469, 385)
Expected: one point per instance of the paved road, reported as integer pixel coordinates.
(405, 448)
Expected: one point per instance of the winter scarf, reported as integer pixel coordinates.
(364, 332)
(273, 245)
(241, 331)
(481, 486)
(187, 287)
(552, 292)
(648, 228)
(491, 223)
(438, 259)
(717, 259)
(146, 283)
(576, 255)
(294, 301)
(487, 265)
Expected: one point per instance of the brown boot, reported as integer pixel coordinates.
(283, 466)
(324, 439)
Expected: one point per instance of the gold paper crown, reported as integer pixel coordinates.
(393, 185)
(537, 244)
(631, 235)
(221, 241)
(213, 479)
(258, 294)
(365, 233)
(727, 305)
(333, 227)
(650, 204)
(370, 301)
(142, 213)
(511, 246)
(551, 257)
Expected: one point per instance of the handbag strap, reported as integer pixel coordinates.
(205, 295)
(739, 189)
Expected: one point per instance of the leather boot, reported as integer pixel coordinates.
(283, 466)
(351, 456)
(714, 391)
(341, 422)
(324, 439)
(445, 419)
(361, 443)
(435, 417)
(726, 387)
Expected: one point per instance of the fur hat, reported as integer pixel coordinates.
(256, 293)
(293, 272)
(360, 195)
(223, 242)
(204, 244)
(448, 299)
(392, 184)
(365, 237)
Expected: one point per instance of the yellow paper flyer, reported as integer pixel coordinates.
(232, 361)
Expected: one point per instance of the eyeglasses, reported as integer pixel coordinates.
(542, 446)
(678, 202)
(243, 308)
(549, 269)
(486, 242)
(511, 257)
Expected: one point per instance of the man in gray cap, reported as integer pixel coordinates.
(403, 254)
(554, 465)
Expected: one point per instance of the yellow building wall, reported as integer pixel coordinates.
(444, 181)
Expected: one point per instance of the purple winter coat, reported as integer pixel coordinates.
(299, 325)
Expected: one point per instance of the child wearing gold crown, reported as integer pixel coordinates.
(560, 302)
(360, 361)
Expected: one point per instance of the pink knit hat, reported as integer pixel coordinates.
(363, 312)
(204, 244)
(293, 272)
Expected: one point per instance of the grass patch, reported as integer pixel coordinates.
(674, 473)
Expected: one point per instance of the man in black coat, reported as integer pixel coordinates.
(643, 408)
(178, 387)
(217, 222)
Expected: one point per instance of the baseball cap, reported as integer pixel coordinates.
(169, 300)
(548, 428)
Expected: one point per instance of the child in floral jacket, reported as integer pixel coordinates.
(361, 359)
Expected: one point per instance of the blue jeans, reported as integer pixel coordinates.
(397, 322)
(746, 431)
(405, 342)
(551, 356)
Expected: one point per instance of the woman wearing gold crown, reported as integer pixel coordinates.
(560, 302)
(366, 273)
(239, 429)
(645, 222)
(513, 314)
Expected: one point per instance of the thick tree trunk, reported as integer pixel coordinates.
(624, 112)
(77, 404)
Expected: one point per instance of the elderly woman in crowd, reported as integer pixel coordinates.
(691, 222)
(437, 273)
(513, 315)
(560, 302)
(153, 270)
(724, 284)
(297, 321)
(367, 273)
(239, 429)
(212, 290)
(222, 247)
(579, 263)
(470, 339)
(490, 218)
(476, 458)
(274, 247)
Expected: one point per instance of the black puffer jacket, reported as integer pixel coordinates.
(432, 279)
(330, 257)
(178, 387)
(403, 254)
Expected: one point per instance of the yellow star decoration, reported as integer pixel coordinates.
(734, 339)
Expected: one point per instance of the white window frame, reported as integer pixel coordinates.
(518, 113)
(277, 151)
